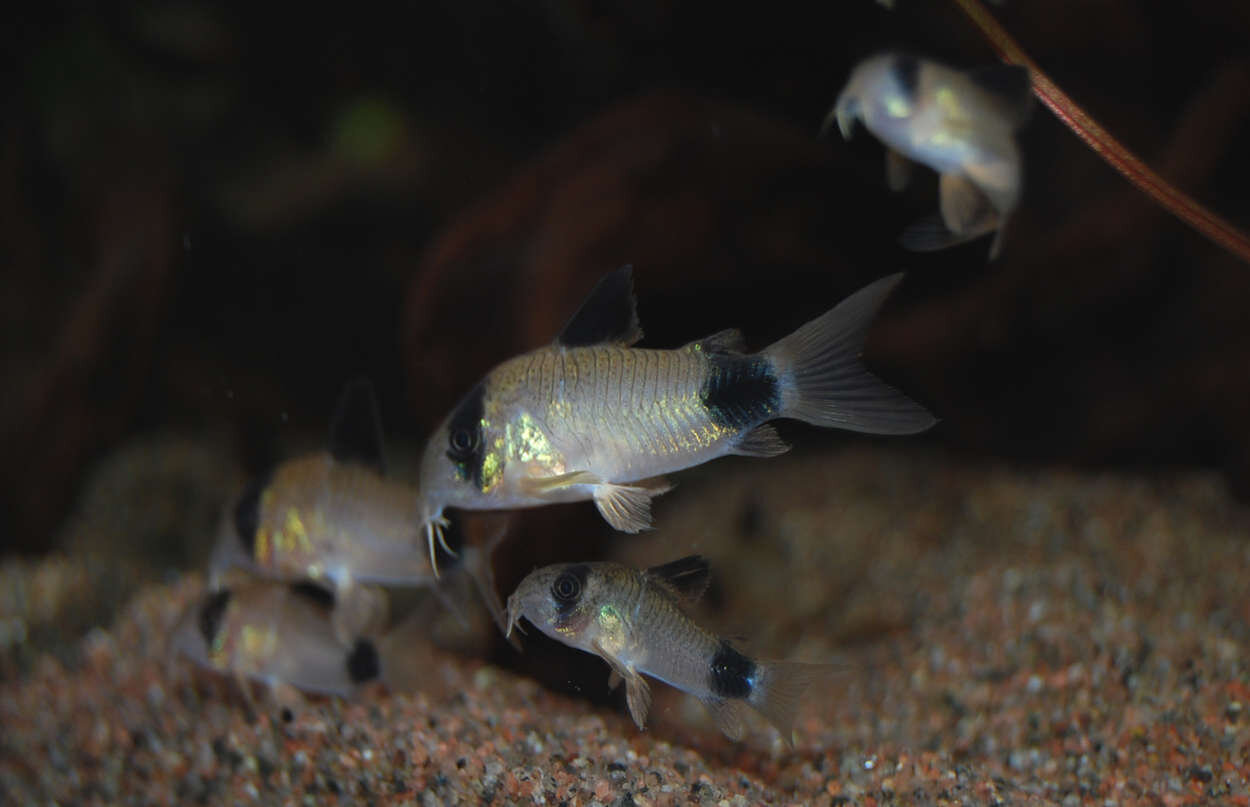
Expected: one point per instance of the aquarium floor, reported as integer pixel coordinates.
(998, 635)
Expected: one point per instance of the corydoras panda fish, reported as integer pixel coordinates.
(590, 417)
(634, 621)
(336, 519)
(961, 124)
(279, 634)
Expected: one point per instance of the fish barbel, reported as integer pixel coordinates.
(960, 123)
(590, 417)
(634, 621)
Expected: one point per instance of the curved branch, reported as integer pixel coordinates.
(1103, 144)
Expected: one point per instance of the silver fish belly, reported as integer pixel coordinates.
(634, 621)
(603, 420)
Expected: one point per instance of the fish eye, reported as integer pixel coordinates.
(462, 441)
(567, 588)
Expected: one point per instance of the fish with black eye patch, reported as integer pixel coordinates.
(592, 417)
(634, 620)
(335, 518)
(281, 635)
(960, 123)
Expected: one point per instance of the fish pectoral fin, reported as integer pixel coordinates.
(608, 315)
(541, 485)
(626, 507)
(897, 170)
(762, 441)
(637, 693)
(966, 210)
(728, 714)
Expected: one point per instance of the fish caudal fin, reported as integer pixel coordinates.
(781, 686)
(823, 381)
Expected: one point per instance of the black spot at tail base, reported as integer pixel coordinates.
(731, 674)
(317, 594)
(362, 663)
(211, 614)
(740, 392)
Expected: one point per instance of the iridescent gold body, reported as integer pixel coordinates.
(633, 619)
(321, 519)
(625, 412)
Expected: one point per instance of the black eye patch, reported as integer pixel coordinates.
(464, 436)
(567, 588)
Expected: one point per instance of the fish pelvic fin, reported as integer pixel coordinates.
(628, 507)
(897, 170)
(637, 692)
(823, 381)
(966, 209)
(780, 689)
(609, 314)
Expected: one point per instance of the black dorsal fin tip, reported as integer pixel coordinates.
(1010, 86)
(688, 577)
(356, 429)
(609, 314)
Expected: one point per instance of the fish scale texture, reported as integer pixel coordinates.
(1006, 637)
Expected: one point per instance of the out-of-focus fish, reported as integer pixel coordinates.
(282, 635)
(590, 417)
(960, 123)
(634, 621)
(335, 519)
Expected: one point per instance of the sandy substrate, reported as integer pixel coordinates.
(998, 636)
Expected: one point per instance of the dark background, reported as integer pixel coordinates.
(212, 217)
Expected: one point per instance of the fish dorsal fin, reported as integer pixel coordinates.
(686, 577)
(356, 430)
(727, 341)
(608, 315)
(1009, 87)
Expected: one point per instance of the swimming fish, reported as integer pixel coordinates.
(960, 123)
(590, 417)
(335, 519)
(280, 634)
(634, 621)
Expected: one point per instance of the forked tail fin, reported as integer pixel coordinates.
(823, 381)
(780, 688)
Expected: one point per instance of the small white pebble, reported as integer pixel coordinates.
(1035, 684)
